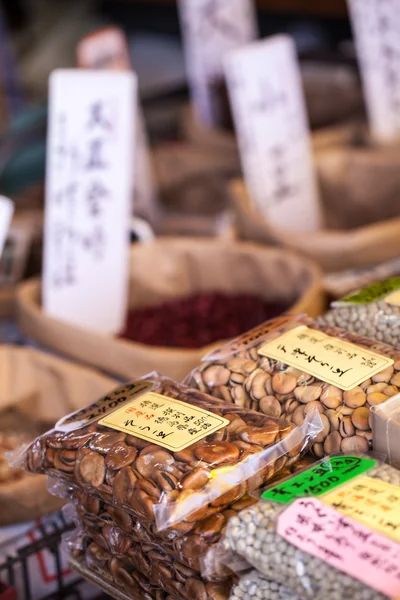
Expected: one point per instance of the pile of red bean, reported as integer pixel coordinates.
(199, 320)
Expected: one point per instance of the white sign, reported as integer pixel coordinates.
(6, 213)
(376, 26)
(107, 48)
(89, 182)
(271, 124)
(211, 29)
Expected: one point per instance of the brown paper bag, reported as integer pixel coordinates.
(168, 269)
(36, 390)
(334, 249)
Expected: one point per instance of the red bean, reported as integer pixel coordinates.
(199, 320)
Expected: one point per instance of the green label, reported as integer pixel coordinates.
(319, 479)
(373, 293)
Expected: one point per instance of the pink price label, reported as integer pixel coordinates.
(343, 543)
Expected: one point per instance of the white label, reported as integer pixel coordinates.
(6, 213)
(376, 26)
(211, 29)
(270, 118)
(107, 48)
(89, 182)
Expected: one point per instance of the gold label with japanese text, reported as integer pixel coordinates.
(329, 359)
(370, 501)
(164, 421)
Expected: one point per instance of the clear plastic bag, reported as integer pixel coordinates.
(133, 465)
(244, 372)
(252, 535)
(137, 569)
(373, 311)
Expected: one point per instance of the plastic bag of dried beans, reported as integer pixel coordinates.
(373, 311)
(291, 365)
(302, 538)
(168, 453)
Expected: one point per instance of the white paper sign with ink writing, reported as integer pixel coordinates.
(343, 543)
(89, 182)
(271, 124)
(376, 26)
(211, 29)
(6, 213)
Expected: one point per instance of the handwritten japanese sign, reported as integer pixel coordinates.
(271, 124)
(376, 26)
(330, 359)
(370, 501)
(343, 543)
(6, 213)
(89, 181)
(319, 479)
(212, 28)
(170, 423)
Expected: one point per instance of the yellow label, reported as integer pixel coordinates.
(164, 421)
(393, 298)
(372, 502)
(330, 359)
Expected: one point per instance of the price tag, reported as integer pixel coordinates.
(161, 420)
(371, 501)
(327, 358)
(320, 478)
(89, 181)
(107, 48)
(271, 123)
(6, 213)
(343, 543)
(376, 26)
(211, 29)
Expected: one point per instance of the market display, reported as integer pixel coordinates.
(242, 372)
(252, 534)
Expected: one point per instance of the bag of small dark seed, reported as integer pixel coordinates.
(300, 533)
(373, 311)
(289, 366)
(168, 453)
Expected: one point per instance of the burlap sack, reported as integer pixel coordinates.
(36, 390)
(334, 249)
(172, 268)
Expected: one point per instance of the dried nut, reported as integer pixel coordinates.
(120, 455)
(239, 396)
(332, 397)
(196, 480)
(360, 418)
(123, 484)
(315, 404)
(390, 390)
(211, 526)
(376, 387)
(216, 375)
(298, 415)
(260, 435)
(332, 443)
(284, 383)
(395, 380)
(92, 469)
(318, 449)
(165, 481)
(103, 442)
(147, 462)
(235, 424)
(270, 406)
(384, 375)
(326, 429)
(354, 444)
(308, 393)
(355, 398)
(231, 496)
(346, 428)
(150, 488)
(217, 453)
(290, 406)
(376, 398)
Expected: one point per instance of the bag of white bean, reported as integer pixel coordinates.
(258, 536)
(373, 311)
(290, 365)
